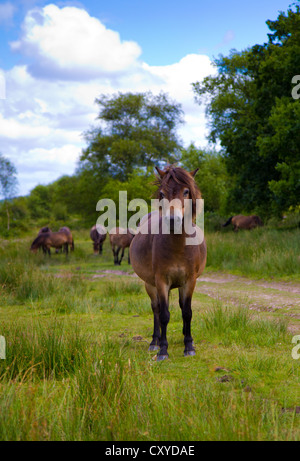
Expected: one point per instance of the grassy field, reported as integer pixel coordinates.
(77, 364)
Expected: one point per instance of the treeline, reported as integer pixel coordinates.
(71, 200)
(253, 109)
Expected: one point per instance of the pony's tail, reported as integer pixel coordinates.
(228, 222)
(72, 245)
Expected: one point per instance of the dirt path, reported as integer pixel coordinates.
(259, 295)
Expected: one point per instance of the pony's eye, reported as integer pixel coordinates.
(186, 192)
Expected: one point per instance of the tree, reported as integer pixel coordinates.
(136, 130)
(8, 183)
(212, 178)
(254, 116)
(40, 200)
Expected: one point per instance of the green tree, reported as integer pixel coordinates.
(40, 202)
(248, 104)
(212, 177)
(136, 130)
(8, 184)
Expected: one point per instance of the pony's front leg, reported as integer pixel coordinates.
(185, 302)
(152, 292)
(164, 317)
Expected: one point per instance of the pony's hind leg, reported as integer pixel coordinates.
(185, 302)
(152, 292)
(120, 260)
(116, 255)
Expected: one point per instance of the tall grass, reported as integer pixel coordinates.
(238, 326)
(23, 279)
(67, 387)
(260, 252)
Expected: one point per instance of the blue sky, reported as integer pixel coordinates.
(166, 30)
(57, 57)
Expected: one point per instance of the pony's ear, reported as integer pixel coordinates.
(160, 172)
(193, 173)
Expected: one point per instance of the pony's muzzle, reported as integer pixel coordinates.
(173, 223)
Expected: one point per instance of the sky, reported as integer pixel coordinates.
(57, 57)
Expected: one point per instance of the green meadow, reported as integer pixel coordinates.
(77, 332)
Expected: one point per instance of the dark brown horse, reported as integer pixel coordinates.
(98, 238)
(165, 261)
(244, 222)
(46, 240)
(120, 239)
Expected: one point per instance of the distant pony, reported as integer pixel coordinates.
(45, 240)
(98, 239)
(244, 222)
(120, 238)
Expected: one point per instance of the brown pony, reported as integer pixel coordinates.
(244, 222)
(68, 232)
(98, 239)
(165, 261)
(120, 238)
(45, 240)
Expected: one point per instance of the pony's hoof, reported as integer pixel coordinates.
(189, 353)
(162, 357)
(153, 347)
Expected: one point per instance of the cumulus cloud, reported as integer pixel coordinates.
(69, 43)
(71, 58)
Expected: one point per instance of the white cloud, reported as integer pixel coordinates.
(67, 42)
(42, 119)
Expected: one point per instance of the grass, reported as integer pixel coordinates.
(78, 366)
(262, 253)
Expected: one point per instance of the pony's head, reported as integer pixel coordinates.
(36, 244)
(178, 193)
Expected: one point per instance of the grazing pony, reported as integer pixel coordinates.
(120, 238)
(50, 239)
(244, 222)
(98, 239)
(165, 261)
